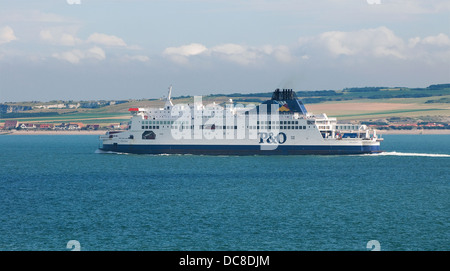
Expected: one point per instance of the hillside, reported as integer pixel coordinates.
(382, 106)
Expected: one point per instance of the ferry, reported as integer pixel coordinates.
(278, 126)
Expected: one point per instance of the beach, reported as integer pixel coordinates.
(53, 132)
(415, 132)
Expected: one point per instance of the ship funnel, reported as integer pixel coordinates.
(288, 99)
(284, 95)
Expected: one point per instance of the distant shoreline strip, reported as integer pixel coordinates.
(102, 132)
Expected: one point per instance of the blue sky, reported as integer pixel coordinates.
(118, 49)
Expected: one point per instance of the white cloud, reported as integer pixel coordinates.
(431, 49)
(236, 53)
(64, 36)
(95, 52)
(438, 40)
(186, 50)
(180, 54)
(377, 42)
(413, 42)
(6, 35)
(76, 55)
(334, 43)
(247, 55)
(140, 58)
(106, 40)
(58, 37)
(231, 52)
(282, 54)
(230, 49)
(367, 45)
(73, 56)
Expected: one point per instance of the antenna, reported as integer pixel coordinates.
(168, 101)
(170, 92)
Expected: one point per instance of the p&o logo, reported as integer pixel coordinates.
(270, 138)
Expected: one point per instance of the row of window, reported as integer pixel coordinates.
(278, 127)
(277, 122)
(229, 127)
(190, 127)
(160, 122)
(167, 122)
(150, 127)
(297, 127)
(347, 127)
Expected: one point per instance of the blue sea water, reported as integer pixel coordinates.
(54, 189)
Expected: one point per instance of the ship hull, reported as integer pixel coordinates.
(241, 149)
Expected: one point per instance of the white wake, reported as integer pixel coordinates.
(394, 153)
(113, 152)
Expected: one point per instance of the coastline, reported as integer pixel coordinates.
(54, 132)
(102, 132)
(414, 132)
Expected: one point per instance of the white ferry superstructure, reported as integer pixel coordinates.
(279, 126)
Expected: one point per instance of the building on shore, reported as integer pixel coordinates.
(45, 126)
(27, 126)
(10, 124)
(92, 127)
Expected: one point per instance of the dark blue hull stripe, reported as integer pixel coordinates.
(239, 149)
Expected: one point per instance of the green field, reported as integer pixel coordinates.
(368, 103)
(390, 113)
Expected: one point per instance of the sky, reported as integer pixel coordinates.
(136, 49)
